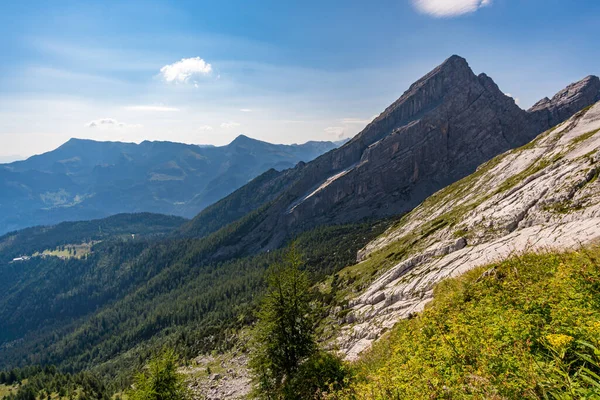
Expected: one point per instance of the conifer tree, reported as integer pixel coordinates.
(160, 380)
(284, 335)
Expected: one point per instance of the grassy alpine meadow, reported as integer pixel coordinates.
(524, 328)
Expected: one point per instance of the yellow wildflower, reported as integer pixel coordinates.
(559, 341)
(594, 327)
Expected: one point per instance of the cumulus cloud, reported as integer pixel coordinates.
(449, 8)
(158, 108)
(516, 99)
(110, 123)
(338, 131)
(185, 69)
(205, 128)
(229, 125)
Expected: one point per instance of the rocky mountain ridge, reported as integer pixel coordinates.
(542, 196)
(440, 130)
(551, 112)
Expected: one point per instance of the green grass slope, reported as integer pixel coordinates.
(525, 328)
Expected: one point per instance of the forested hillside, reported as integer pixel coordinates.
(37, 239)
(108, 312)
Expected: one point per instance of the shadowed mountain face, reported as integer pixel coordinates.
(441, 129)
(84, 179)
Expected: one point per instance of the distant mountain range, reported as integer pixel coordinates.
(10, 158)
(85, 179)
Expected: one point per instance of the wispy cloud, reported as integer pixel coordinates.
(338, 131)
(516, 99)
(229, 125)
(205, 128)
(111, 123)
(449, 8)
(182, 71)
(245, 110)
(152, 108)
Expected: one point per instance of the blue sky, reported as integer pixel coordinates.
(280, 71)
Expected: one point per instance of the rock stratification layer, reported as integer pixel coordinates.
(544, 195)
(551, 112)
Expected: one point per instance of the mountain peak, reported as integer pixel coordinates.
(75, 143)
(566, 102)
(454, 69)
(591, 79)
(588, 85)
(77, 140)
(445, 84)
(455, 61)
(242, 139)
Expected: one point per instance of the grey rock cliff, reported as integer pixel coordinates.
(440, 130)
(551, 112)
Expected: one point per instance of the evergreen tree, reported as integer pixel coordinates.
(284, 334)
(160, 380)
(12, 377)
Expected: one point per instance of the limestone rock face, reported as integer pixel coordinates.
(440, 130)
(551, 112)
(542, 196)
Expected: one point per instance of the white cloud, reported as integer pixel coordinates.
(205, 128)
(449, 8)
(338, 131)
(229, 125)
(186, 68)
(110, 123)
(516, 99)
(245, 110)
(158, 108)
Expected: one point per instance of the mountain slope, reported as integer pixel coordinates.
(440, 130)
(111, 310)
(84, 179)
(544, 195)
(523, 328)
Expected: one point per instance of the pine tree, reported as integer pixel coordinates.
(284, 335)
(160, 380)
